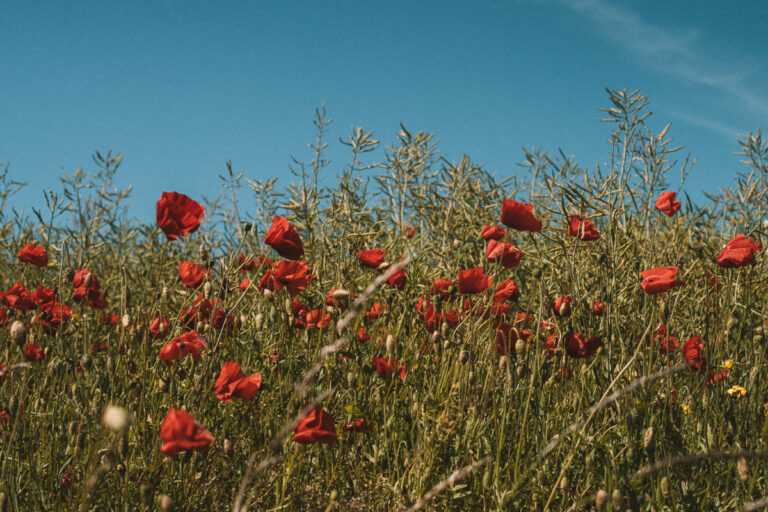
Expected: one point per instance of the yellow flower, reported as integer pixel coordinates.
(686, 409)
(737, 390)
(765, 408)
(727, 364)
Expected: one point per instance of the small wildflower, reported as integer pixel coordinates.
(728, 364)
(737, 390)
(687, 409)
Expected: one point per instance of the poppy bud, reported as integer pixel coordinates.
(162, 385)
(86, 361)
(18, 332)
(146, 493)
(742, 468)
(664, 312)
(455, 242)
(13, 404)
(383, 266)
(434, 336)
(503, 364)
(110, 365)
(536, 272)
(259, 321)
(166, 503)
(228, 447)
(753, 374)
(564, 308)
(207, 290)
(115, 418)
(87, 280)
(199, 326)
(731, 323)
(564, 484)
(601, 499)
(267, 294)
(665, 487)
(390, 344)
(288, 307)
(444, 330)
(339, 293)
(463, 356)
(648, 437)
(350, 379)
(164, 292)
(520, 346)
(126, 320)
(617, 499)
(203, 253)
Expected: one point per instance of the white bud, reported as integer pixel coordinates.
(116, 418)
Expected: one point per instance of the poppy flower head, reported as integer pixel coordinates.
(442, 287)
(316, 427)
(371, 258)
(666, 203)
(661, 279)
(284, 239)
(192, 274)
(181, 432)
(503, 252)
(693, 351)
(295, 276)
(579, 346)
(493, 232)
(739, 251)
(507, 290)
(19, 297)
(359, 425)
(34, 254)
(398, 279)
(519, 216)
(473, 280)
(178, 215)
(582, 228)
(388, 367)
(561, 306)
(233, 383)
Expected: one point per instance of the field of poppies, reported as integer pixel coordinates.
(399, 332)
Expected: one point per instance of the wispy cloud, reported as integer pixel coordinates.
(678, 54)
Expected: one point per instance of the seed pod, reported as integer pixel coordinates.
(69, 274)
(390, 344)
(665, 487)
(228, 447)
(648, 437)
(203, 253)
(18, 333)
(463, 356)
(601, 499)
(742, 468)
(166, 503)
(259, 321)
(617, 499)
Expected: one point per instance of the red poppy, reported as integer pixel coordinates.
(337, 298)
(375, 312)
(561, 306)
(441, 286)
(398, 279)
(88, 290)
(181, 432)
(550, 344)
(246, 264)
(192, 274)
(34, 254)
(284, 239)
(371, 258)
(316, 427)
(666, 203)
(493, 232)
(713, 283)
(359, 425)
(188, 343)
(19, 298)
(54, 315)
(598, 308)
(317, 319)
(507, 336)
(663, 337)
(578, 346)
(178, 215)
(693, 351)
(658, 280)
(362, 335)
(159, 327)
(507, 290)
(232, 382)
(109, 319)
(42, 295)
(387, 368)
(33, 353)
(739, 251)
(473, 280)
(582, 228)
(519, 216)
(295, 276)
(244, 284)
(506, 253)
(717, 377)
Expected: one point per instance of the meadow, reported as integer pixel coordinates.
(395, 332)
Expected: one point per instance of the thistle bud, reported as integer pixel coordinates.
(648, 437)
(390, 344)
(18, 332)
(742, 468)
(601, 499)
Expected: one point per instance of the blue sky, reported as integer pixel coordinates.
(180, 87)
